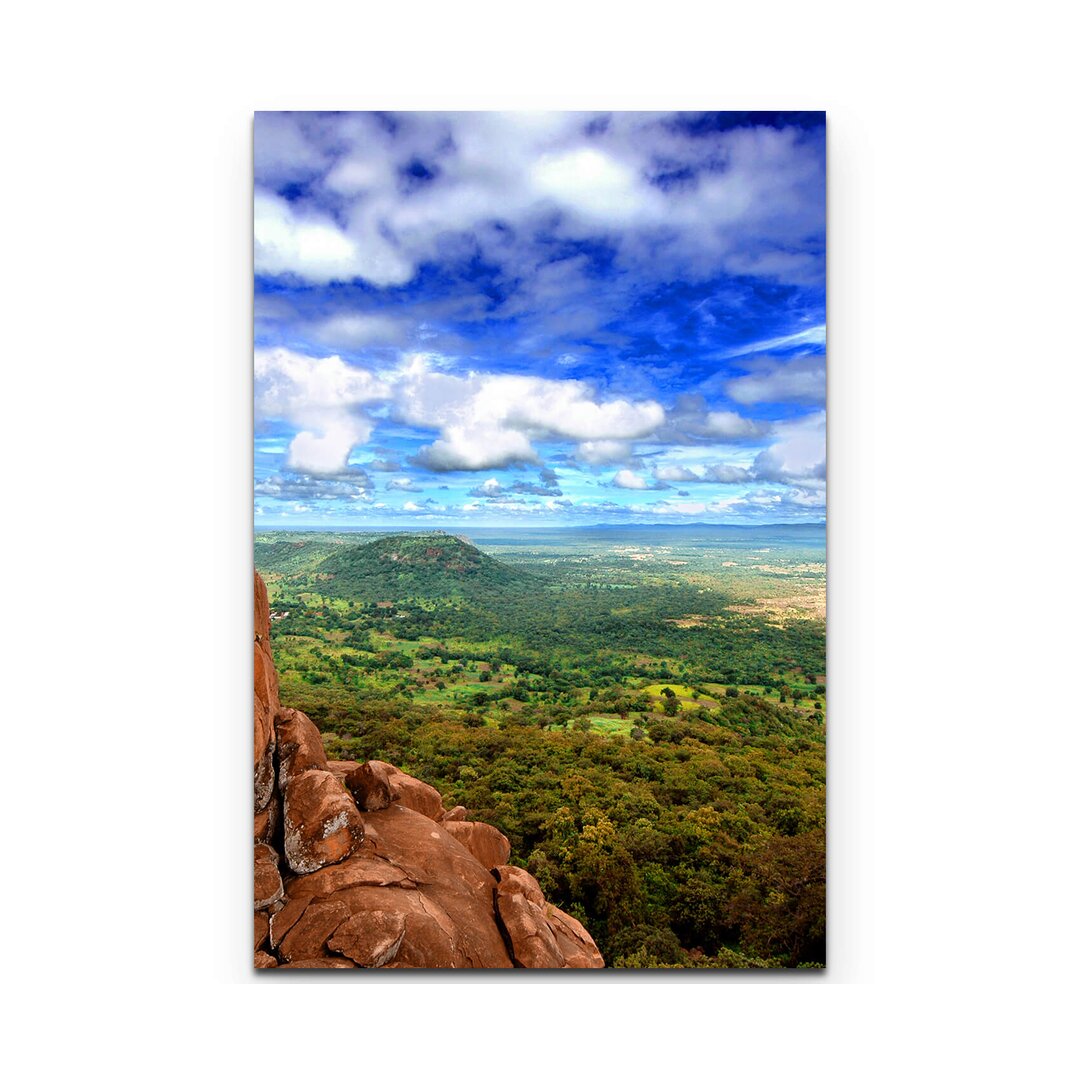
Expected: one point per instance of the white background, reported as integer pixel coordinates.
(952, 540)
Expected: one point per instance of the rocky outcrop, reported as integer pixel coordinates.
(370, 787)
(357, 864)
(488, 846)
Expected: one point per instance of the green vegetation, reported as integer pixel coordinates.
(648, 735)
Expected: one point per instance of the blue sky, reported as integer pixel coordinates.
(539, 319)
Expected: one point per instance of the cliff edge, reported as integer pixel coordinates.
(358, 864)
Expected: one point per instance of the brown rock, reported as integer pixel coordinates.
(262, 928)
(415, 794)
(281, 922)
(266, 688)
(266, 820)
(341, 769)
(532, 940)
(262, 609)
(300, 746)
(450, 918)
(362, 868)
(457, 813)
(515, 879)
(541, 935)
(487, 844)
(268, 884)
(574, 941)
(307, 939)
(264, 960)
(321, 962)
(322, 824)
(370, 787)
(371, 939)
(264, 771)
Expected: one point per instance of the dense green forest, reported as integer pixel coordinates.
(652, 744)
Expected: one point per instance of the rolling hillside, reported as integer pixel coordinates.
(425, 565)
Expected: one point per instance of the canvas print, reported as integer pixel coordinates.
(539, 540)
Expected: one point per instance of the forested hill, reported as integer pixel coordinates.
(429, 565)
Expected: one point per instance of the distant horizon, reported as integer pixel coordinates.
(532, 527)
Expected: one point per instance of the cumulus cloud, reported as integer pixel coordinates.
(604, 451)
(425, 506)
(627, 478)
(384, 465)
(798, 454)
(625, 250)
(730, 425)
(325, 397)
(712, 474)
(691, 420)
(801, 379)
(676, 474)
(489, 421)
(296, 486)
(493, 489)
(402, 483)
(472, 448)
(310, 245)
(727, 474)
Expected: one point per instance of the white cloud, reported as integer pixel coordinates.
(754, 193)
(676, 474)
(353, 486)
(815, 335)
(324, 398)
(327, 454)
(798, 454)
(488, 421)
(475, 447)
(593, 184)
(711, 474)
(689, 420)
(626, 478)
(727, 474)
(312, 246)
(730, 425)
(355, 331)
(801, 379)
(604, 451)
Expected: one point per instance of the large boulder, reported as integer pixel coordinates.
(300, 746)
(371, 939)
(285, 918)
(266, 820)
(307, 939)
(541, 936)
(574, 941)
(322, 824)
(413, 793)
(268, 884)
(409, 867)
(487, 844)
(370, 787)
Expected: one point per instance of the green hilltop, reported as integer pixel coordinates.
(427, 565)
